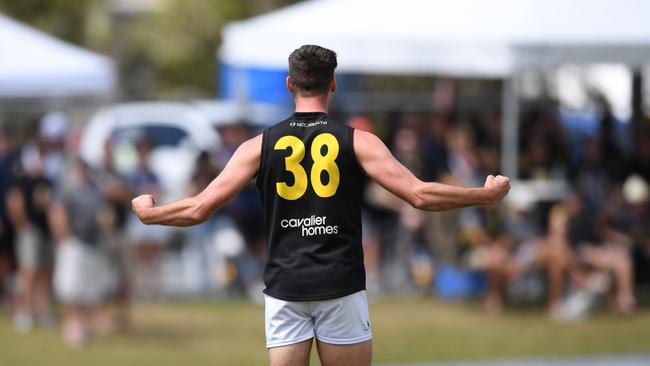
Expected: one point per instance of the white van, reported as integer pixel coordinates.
(178, 132)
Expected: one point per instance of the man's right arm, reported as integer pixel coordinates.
(239, 171)
(378, 162)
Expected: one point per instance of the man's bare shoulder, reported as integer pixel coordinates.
(365, 139)
(252, 146)
(366, 143)
(247, 154)
(364, 136)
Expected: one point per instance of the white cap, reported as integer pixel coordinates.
(635, 189)
(54, 125)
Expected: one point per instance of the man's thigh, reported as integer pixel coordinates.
(296, 354)
(599, 257)
(358, 354)
(344, 320)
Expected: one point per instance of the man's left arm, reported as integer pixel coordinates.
(239, 171)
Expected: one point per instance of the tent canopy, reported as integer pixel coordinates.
(461, 37)
(35, 64)
(465, 38)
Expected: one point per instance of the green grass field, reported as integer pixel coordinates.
(405, 330)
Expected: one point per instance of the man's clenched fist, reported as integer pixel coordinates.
(140, 205)
(497, 187)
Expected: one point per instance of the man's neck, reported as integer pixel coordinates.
(311, 104)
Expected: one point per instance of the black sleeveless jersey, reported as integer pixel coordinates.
(311, 187)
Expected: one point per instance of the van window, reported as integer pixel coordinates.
(157, 135)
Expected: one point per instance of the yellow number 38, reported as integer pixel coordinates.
(321, 163)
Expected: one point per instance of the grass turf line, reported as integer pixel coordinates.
(405, 330)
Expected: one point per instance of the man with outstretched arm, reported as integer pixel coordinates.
(310, 171)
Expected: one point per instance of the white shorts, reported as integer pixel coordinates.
(82, 275)
(343, 320)
(33, 250)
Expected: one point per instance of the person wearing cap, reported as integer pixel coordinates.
(52, 132)
(627, 226)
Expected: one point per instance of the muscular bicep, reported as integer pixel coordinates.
(239, 171)
(378, 162)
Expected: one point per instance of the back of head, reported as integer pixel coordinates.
(311, 69)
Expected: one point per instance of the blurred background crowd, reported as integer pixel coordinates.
(574, 234)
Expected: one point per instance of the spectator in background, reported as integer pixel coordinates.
(441, 229)
(82, 278)
(543, 149)
(592, 180)
(464, 165)
(463, 162)
(148, 240)
(370, 234)
(640, 163)
(612, 157)
(397, 254)
(510, 247)
(28, 201)
(494, 248)
(52, 132)
(198, 255)
(537, 162)
(243, 222)
(632, 220)
(554, 254)
(7, 232)
(142, 178)
(411, 246)
(588, 237)
(435, 152)
(117, 195)
(232, 135)
(627, 225)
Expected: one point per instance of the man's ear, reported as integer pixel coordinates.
(289, 85)
(333, 84)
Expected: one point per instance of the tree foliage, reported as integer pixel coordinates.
(65, 19)
(178, 42)
(168, 51)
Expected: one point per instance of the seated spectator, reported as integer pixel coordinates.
(593, 250)
(627, 223)
(634, 223)
(505, 257)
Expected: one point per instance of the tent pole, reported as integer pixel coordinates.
(637, 106)
(509, 127)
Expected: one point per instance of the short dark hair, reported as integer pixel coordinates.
(311, 69)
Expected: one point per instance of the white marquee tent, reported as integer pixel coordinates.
(465, 38)
(34, 64)
(460, 37)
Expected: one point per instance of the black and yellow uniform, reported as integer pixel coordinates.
(312, 188)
